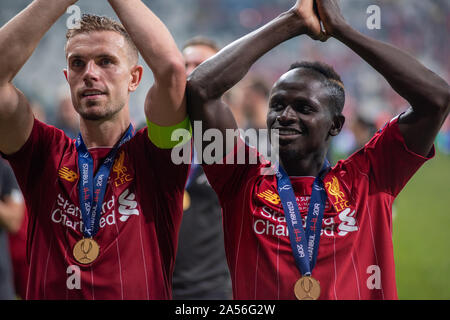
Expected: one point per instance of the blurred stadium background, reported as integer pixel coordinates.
(422, 214)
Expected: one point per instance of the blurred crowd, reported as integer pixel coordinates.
(420, 27)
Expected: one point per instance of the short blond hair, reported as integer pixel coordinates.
(91, 23)
(201, 41)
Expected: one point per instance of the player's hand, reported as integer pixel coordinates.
(331, 16)
(304, 9)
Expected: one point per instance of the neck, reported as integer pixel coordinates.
(103, 133)
(309, 165)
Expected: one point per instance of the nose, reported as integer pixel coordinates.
(91, 72)
(287, 116)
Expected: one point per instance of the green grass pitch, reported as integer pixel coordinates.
(421, 233)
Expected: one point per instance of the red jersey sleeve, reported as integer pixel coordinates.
(228, 178)
(39, 152)
(388, 161)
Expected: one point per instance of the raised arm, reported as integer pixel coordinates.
(12, 206)
(165, 104)
(11, 214)
(214, 77)
(18, 40)
(427, 93)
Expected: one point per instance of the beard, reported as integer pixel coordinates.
(289, 154)
(104, 112)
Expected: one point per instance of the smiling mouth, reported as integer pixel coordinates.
(287, 132)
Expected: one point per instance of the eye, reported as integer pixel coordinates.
(77, 63)
(305, 109)
(105, 61)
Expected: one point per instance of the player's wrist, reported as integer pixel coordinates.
(340, 27)
(340, 31)
(295, 22)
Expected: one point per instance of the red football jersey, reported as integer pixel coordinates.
(140, 219)
(355, 258)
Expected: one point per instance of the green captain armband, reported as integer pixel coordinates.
(169, 137)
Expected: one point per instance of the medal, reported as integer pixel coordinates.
(86, 250)
(307, 288)
(304, 242)
(91, 191)
(186, 200)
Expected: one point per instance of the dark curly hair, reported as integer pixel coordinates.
(332, 81)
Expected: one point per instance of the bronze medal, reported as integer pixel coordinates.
(307, 288)
(86, 251)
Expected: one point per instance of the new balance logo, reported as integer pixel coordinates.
(270, 196)
(67, 174)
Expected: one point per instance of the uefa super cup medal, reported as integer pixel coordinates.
(307, 288)
(86, 251)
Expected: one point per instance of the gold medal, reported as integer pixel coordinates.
(307, 288)
(86, 251)
(186, 200)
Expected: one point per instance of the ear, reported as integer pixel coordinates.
(66, 74)
(338, 123)
(135, 77)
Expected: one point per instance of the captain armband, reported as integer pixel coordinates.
(171, 136)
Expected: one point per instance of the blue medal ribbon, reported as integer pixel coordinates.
(192, 172)
(92, 189)
(304, 243)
